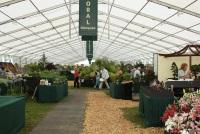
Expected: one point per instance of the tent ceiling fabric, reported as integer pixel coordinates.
(138, 29)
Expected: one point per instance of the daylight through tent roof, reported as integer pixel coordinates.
(127, 29)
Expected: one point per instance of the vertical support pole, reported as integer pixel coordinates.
(89, 50)
(20, 63)
(70, 17)
(190, 62)
(108, 20)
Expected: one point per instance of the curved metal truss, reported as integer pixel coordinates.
(135, 30)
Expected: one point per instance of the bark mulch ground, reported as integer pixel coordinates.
(103, 115)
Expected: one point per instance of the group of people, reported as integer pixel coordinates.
(137, 72)
(101, 78)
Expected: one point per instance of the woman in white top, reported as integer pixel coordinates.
(182, 73)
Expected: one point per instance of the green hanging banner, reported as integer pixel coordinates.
(88, 19)
(89, 50)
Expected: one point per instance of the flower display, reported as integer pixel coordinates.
(183, 116)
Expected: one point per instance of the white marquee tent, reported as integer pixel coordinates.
(127, 29)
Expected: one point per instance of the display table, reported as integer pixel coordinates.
(121, 90)
(153, 104)
(87, 83)
(12, 114)
(179, 85)
(53, 93)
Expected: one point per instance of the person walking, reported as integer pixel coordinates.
(76, 78)
(104, 78)
(137, 73)
(97, 75)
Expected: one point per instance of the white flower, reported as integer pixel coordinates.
(184, 132)
(169, 124)
(168, 128)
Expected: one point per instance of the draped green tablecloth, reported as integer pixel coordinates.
(12, 114)
(115, 90)
(53, 93)
(121, 90)
(179, 85)
(153, 104)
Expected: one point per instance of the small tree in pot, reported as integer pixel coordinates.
(174, 70)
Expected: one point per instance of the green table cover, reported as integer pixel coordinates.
(115, 90)
(121, 91)
(141, 103)
(52, 93)
(136, 87)
(12, 114)
(153, 104)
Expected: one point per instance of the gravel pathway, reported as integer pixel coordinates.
(66, 118)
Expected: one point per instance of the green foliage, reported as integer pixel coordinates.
(174, 70)
(85, 72)
(111, 66)
(53, 76)
(88, 72)
(139, 64)
(4, 81)
(195, 69)
(126, 76)
(48, 74)
(113, 76)
(32, 68)
(42, 62)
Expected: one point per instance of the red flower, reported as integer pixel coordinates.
(169, 112)
(186, 109)
(175, 131)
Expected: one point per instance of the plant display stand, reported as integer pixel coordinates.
(12, 114)
(121, 90)
(153, 104)
(53, 93)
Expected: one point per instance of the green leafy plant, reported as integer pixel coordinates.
(127, 77)
(32, 69)
(53, 76)
(139, 64)
(195, 70)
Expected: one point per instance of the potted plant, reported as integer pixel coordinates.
(174, 70)
(195, 70)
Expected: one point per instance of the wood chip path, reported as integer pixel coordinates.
(104, 116)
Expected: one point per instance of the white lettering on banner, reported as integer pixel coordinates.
(87, 22)
(87, 9)
(88, 5)
(88, 16)
(88, 28)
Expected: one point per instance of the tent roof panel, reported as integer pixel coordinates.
(137, 29)
(18, 9)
